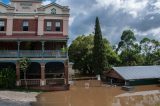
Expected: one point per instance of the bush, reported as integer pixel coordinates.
(7, 78)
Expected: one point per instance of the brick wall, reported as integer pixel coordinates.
(17, 24)
(53, 24)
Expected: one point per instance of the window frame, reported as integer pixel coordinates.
(2, 28)
(57, 27)
(25, 27)
(49, 28)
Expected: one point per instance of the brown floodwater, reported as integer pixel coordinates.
(104, 95)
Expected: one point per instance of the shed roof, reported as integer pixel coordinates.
(138, 72)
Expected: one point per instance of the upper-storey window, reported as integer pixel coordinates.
(48, 26)
(2, 25)
(25, 25)
(58, 26)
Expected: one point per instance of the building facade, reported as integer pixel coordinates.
(39, 32)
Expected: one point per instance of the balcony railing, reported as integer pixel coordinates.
(33, 53)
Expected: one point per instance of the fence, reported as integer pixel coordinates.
(86, 82)
(31, 82)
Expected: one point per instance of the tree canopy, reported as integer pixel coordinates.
(80, 53)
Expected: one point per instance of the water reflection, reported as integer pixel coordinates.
(97, 96)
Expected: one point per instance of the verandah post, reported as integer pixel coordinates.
(43, 80)
(19, 44)
(43, 44)
(18, 83)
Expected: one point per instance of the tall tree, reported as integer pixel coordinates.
(129, 50)
(127, 40)
(99, 59)
(150, 50)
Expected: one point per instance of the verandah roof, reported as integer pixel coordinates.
(138, 72)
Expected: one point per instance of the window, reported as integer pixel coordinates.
(25, 26)
(2, 25)
(49, 26)
(58, 26)
(53, 11)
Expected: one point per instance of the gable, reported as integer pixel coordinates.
(53, 6)
(50, 9)
(4, 8)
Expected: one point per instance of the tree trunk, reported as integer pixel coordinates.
(25, 80)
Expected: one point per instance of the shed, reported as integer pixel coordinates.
(135, 75)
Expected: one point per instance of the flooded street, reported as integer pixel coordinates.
(101, 96)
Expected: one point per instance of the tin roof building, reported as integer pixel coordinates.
(135, 75)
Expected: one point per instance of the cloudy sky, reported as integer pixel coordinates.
(142, 16)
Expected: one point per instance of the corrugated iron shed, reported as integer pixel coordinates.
(138, 72)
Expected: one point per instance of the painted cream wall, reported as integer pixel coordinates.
(40, 25)
(65, 26)
(19, 7)
(3, 9)
(9, 25)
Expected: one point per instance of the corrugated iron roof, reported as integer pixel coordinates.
(138, 72)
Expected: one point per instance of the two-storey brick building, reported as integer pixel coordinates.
(39, 32)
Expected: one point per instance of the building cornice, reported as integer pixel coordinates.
(33, 14)
(53, 4)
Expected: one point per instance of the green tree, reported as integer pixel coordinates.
(24, 64)
(80, 53)
(111, 56)
(129, 50)
(100, 62)
(127, 40)
(150, 50)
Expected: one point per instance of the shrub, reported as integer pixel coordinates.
(7, 78)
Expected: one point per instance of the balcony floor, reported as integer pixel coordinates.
(34, 59)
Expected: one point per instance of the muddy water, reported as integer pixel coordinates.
(101, 96)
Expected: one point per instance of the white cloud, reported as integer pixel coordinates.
(155, 32)
(157, 4)
(134, 14)
(127, 5)
(151, 18)
(46, 2)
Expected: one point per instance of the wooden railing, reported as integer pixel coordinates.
(31, 82)
(33, 53)
(53, 81)
(88, 83)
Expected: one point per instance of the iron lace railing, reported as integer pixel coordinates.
(33, 53)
